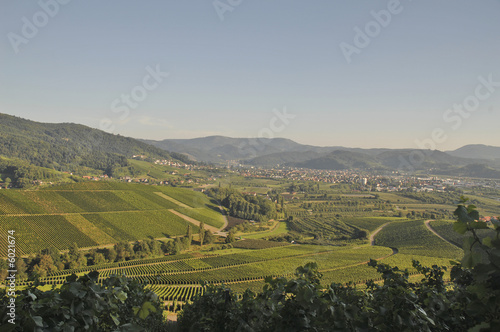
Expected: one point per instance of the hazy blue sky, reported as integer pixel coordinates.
(230, 63)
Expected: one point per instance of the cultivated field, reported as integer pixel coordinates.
(99, 214)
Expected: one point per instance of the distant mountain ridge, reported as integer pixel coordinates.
(221, 148)
(479, 151)
(472, 170)
(66, 145)
(267, 152)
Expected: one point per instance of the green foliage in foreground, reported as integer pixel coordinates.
(82, 304)
(470, 303)
(301, 304)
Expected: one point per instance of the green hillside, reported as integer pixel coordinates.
(339, 159)
(412, 238)
(100, 213)
(473, 171)
(68, 146)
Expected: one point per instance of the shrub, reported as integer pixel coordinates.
(83, 304)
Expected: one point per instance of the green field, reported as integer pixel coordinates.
(34, 233)
(280, 228)
(178, 277)
(167, 275)
(98, 213)
(94, 214)
(413, 238)
(369, 223)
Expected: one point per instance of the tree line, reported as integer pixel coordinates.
(250, 207)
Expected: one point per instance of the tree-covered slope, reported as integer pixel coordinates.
(473, 171)
(66, 146)
(339, 159)
(480, 151)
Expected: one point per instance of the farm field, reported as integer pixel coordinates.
(178, 278)
(486, 206)
(280, 228)
(413, 238)
(335, 229)
(99, 213)
(369, 223)
(37, 232)
(414, 241)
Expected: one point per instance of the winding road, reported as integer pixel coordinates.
(375, 232)
(223, 212)
(436, 233)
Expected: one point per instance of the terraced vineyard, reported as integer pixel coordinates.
(178, 277)
(368, 223)
(329, 227)
(209, 217)
(413, 238)
(414, 241)
(98, 213)
(177, 293)
(41, 231)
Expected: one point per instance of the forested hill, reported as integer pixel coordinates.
(67, 146)
(269, 152)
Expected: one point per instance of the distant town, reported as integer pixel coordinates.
(388, 181)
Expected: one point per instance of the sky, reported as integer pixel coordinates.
(361, 73)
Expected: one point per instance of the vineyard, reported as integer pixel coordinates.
(41, 231)
(190, 198)
(124, 225)
(257, 244)
(325, 228)
(134, 262)
(16, 202)
(208, 216)
(177, 293)
(178, 277)
(445, 229)
(99, 213)
(368, 223)
(96, 214)
(414, 239)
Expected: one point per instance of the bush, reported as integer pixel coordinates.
(82, 304)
